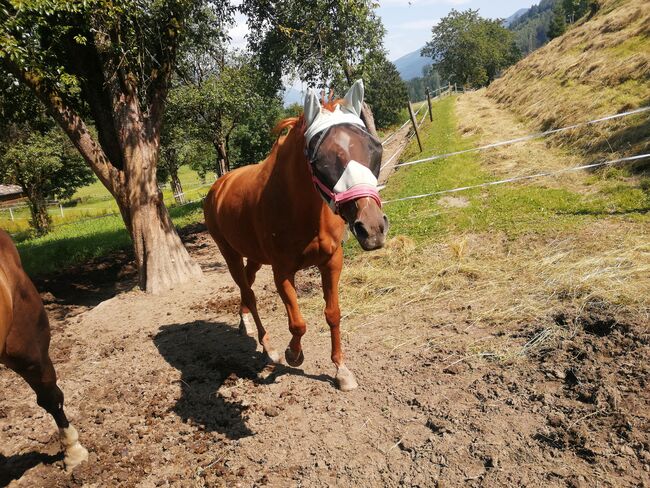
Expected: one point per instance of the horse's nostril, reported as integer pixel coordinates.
(360, 230)
(384, 227)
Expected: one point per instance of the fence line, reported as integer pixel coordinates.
(529, 137)
(385, 141)
(521, 178)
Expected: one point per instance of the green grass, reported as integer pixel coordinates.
(95, 200)
(514, 209)
(76, 243)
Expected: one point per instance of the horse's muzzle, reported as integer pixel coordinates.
(367, 222)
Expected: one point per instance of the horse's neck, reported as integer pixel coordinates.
(291, 167)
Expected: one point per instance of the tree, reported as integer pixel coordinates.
(229, 106)
(417, 86)
(322, 42)
(35, 154)
(557, 27)
(471, 50)
(47, 167)
(387, 94)
(109, 65)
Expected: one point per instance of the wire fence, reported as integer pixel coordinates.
(521, 178)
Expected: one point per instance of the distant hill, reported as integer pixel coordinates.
(411, 65)
(507, 22)
(531, 25)
(600, 66)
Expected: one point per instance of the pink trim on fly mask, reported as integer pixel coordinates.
(357, 191)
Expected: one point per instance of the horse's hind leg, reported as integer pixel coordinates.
(235, 264)
(246, 323)
(27, 354)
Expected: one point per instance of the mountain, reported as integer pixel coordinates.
(531, 26)
(507, 22)
(411, 65)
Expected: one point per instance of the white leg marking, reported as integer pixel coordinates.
(247, 325)
(75, 453)
(345, 378)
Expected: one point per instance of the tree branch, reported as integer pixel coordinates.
(71, 123)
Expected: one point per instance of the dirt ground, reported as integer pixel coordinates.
(165, 392)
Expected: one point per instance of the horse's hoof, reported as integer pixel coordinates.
(345, 379)
(75, 453)
(291, 358)
(273, 356)
(74, 456)
(246, 326)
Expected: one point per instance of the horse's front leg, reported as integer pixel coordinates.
(285, 284)
(330, 274)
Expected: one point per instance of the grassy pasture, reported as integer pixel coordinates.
(522, 252)
(93, 201)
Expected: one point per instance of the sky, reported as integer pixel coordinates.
(408, 22)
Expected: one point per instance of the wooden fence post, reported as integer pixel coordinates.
(429, 102)
(415, 125)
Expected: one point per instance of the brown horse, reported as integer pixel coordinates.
(24, 344)
(290, 211)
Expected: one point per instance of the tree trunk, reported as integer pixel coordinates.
(177, 186)
(368, 119)
(223, 164)
(41, 220)
(124, 155)
(160, 256)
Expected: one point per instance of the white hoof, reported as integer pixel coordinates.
(345, 379)
(247, 325)
(75, 453)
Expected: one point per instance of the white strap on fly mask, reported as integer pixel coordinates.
(326, 119)
(317, 119)
(355, 174)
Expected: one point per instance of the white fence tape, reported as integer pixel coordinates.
(521, 178)
(529, 137)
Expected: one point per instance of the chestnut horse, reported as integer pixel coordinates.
(24, 344)
(290, 212)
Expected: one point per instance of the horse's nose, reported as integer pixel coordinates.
(360, 230)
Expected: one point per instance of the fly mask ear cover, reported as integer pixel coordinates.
(356, 180)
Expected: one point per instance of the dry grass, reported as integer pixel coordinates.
(480, 117)
(599, 67)
(484, 283)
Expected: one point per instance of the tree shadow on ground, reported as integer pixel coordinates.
(14, 467)
(211, 355)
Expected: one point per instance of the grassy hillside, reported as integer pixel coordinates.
(599, 67)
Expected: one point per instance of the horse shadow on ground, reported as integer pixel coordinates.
(212, 355)
(14, 467)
